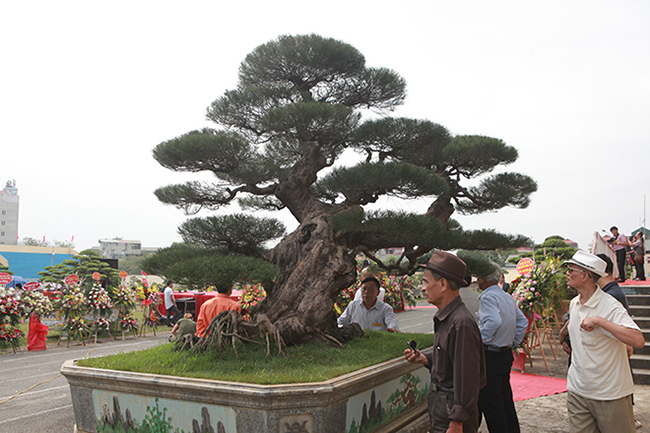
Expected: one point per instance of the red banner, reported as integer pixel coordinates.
(71, 279)
(5, 278)
(32, 286)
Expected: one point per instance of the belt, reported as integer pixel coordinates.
(435, 388)
(496, 349)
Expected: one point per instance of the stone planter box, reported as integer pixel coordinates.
(387, 397)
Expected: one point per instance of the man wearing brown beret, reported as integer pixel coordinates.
(457, 363)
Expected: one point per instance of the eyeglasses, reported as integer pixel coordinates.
(569, 270)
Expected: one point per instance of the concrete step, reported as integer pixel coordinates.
(641, 376)
(640, 361)
(642, 322)
(640, 311)
(636, 290)
(638, 299)
(645, 350)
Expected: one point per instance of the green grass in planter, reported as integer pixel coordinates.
(311, 362)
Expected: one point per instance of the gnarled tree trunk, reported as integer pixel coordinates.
(313, 269)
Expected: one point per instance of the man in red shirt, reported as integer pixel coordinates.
(214, 306)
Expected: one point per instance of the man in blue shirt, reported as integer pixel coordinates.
(502, 326)
(369, 312)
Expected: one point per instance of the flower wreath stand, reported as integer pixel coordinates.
(536, 338)
(548, 334)
(150, 316)
(128, 323)
(71, 303)
(101, 324)
(76, 328)
(100, 302)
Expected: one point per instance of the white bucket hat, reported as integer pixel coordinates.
(588, 262)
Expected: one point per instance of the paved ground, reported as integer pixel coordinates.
(544, 414)
(47, 406)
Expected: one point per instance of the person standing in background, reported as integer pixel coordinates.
(170, 305)
(618, 243)
(502, 327)
(638, 247)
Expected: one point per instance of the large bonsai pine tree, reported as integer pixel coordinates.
(297, 107)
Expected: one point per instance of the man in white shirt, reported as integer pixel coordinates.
(599, 379)
(170, 305)
(370, 312)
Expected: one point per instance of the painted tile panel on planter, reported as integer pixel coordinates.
(383, 398)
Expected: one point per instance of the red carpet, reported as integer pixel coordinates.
(527, 386)
(635, 283)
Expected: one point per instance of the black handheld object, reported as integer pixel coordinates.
(413, 345)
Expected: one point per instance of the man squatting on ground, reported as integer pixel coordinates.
(370, 312)
(457, 363)
(502, 326)
(599, 379)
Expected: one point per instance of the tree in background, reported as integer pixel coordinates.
(553, 246)
(31, 242)
(299, 104)
(84, 265)
(197, 267)
(131, 264)
(499, 257)
(63, 244)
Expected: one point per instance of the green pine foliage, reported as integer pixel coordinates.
(84, 265)
(197, 267)
(299, 104)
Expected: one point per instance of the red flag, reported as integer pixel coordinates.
(72, 240)
(43, 238)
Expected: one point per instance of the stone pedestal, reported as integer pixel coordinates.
(387, 397)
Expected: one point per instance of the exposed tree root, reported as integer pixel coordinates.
(228, 328)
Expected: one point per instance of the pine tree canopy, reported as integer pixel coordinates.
(299, 104)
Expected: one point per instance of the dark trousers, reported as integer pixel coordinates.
(640, 272)
(620, 263)
(177, 315)
(495, 399)
(439, 404)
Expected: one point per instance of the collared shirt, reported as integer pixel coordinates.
(612, 288)
(599, 365)
(378, 318)
(620, 242)
(500, 321)
(458, 358)
(211, 308)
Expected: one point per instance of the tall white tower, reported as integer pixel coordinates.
(9, 204)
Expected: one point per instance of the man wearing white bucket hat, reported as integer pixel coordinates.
(599, 379)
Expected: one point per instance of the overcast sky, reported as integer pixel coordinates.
(87, 89)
